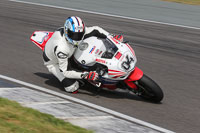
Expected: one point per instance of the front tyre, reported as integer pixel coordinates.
(149, 90)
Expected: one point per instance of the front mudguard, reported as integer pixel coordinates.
(136, 75)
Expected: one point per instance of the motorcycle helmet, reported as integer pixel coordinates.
(74, 30)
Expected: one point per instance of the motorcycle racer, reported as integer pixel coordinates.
(62, 45)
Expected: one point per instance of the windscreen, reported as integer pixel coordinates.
(111, 49)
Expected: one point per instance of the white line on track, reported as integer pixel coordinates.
(88, 118)
(10, 88)
(105, 14)
(41, 103)
(117, 114)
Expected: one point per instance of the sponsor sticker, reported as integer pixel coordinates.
(97, 51)
(92, 50)
(100, 61)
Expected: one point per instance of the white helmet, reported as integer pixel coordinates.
(74, 30)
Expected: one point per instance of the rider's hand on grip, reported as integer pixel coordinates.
(90, 75)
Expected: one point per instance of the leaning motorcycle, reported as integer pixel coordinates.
(114, 61)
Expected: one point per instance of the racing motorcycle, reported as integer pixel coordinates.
(114, 61)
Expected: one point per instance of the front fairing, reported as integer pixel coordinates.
(122, 63)
(119, 58)
(89, 50)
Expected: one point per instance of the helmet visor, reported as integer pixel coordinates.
(77, 36)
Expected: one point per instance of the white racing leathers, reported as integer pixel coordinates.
(57, 53)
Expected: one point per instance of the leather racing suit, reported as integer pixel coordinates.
(57, 53)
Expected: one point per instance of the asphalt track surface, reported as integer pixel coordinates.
(170, 55)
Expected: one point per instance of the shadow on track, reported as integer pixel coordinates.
(91, 90)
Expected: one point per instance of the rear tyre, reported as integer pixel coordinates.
(149, 90)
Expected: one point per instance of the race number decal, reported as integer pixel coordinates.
(127, 63)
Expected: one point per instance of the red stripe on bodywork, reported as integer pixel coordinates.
(116, 73)
(114, 70)
(118, 55)
(117, 76)
(130, 48)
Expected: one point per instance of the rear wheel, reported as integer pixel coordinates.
(149, 90)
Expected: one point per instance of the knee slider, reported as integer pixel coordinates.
(70, 85)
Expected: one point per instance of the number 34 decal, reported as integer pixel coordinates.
(127, 63)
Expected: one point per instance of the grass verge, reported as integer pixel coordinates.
(17, 119)
(191, 2)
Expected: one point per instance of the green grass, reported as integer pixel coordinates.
(191, 2)
(17, 119)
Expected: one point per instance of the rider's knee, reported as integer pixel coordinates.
(70, 85)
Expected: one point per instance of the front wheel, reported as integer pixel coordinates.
(149, 90)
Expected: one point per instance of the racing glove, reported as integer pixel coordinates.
(92, 75)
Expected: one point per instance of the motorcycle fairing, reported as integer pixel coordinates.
(115, 56)
(135, 75)
(40, 38)
(116, 73)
